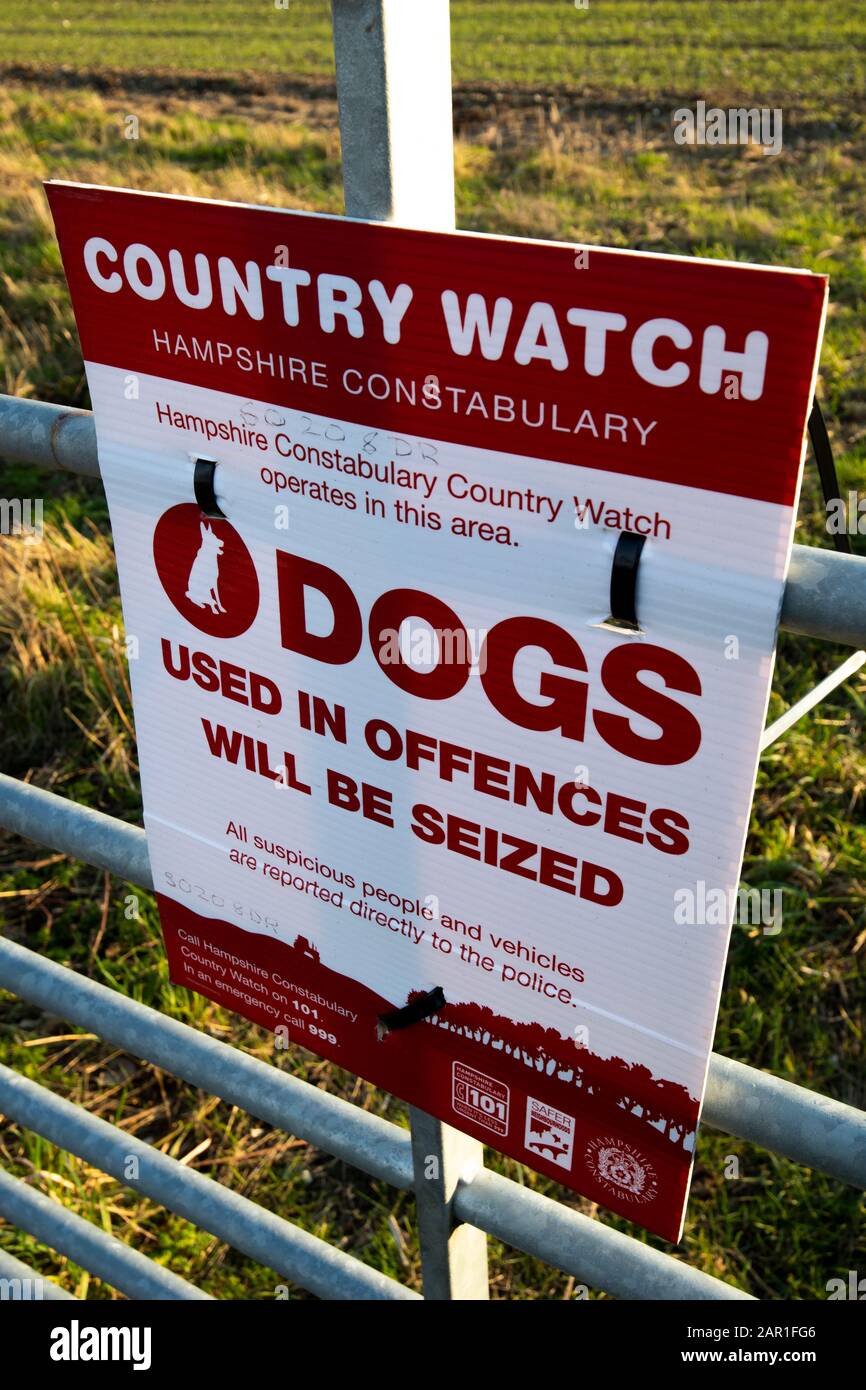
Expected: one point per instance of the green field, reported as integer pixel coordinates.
(593, 161)
(809, 53)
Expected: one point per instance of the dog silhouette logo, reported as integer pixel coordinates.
(202, 587)
(206, 571)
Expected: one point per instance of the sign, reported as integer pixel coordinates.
(390, 740)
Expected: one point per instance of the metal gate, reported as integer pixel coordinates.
(394, 90)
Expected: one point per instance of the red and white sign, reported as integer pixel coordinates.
(388, 739)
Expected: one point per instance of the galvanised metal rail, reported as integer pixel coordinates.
(393, 76)
(93, 1249)
(806, 1127)
(285, 1248)
(825, 593)
(18, 1281)
(587, 1249)
(750, 1104)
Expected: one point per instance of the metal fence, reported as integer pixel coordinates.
(393, 78)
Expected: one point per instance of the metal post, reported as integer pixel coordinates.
(453, 1254)
(393, 64)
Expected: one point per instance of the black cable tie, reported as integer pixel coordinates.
(418, 1009)
(623, 579)
(203, 486)
(823, 451)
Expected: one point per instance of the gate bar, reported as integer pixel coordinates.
(49, 1292)
(104, 1255)
(552, 1232)
(825, 592)
(245, 1225)
(804, 1125)
(594, 1253)
(76, 830)
(348, 1132)
(800, 1124)
(57, 438)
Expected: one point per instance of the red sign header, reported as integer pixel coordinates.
(652, 366)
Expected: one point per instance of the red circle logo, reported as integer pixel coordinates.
(622, 1169)
(206, 570)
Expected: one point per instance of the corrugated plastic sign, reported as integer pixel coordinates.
(391, 741)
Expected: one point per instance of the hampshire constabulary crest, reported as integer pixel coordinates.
(622, 1169)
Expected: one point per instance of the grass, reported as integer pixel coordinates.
(781, 49)
(574, 169)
